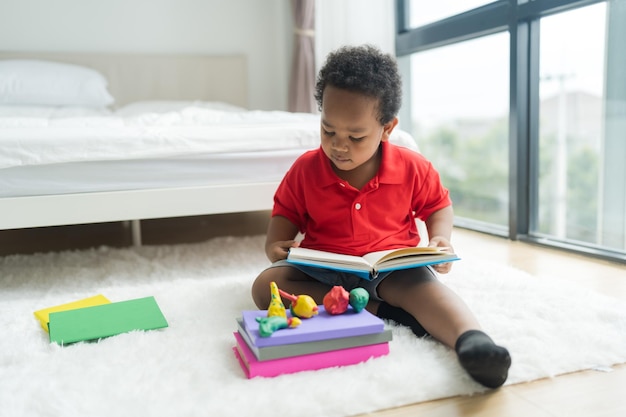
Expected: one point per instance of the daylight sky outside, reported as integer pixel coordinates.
(475, 87)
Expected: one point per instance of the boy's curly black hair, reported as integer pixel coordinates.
(363, 69)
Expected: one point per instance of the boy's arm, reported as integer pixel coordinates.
(439, 226)
(280, 237)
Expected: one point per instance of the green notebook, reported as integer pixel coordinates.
(105, 320)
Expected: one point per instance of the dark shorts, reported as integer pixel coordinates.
(345, 279)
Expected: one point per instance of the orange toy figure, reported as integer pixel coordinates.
(303, 306)
(336, 300)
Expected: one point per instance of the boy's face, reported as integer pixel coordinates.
(350, 130)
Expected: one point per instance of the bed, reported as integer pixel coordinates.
(142, 137)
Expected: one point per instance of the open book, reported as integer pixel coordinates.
(368, 266)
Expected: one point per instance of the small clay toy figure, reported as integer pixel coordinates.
(359, 298)
(268, 325)
(276, 308)
(337, 299)
(303, 306)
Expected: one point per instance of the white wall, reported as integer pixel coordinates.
(353, 22)
(262, 30)
(356, 22)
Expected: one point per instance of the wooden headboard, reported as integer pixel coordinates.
(135, 77)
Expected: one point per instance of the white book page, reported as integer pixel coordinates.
(384, 255)
(321, 256)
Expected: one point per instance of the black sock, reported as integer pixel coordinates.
(400, 316)
(484, 361)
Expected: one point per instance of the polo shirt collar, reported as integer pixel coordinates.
(391, 169)
(327, 175)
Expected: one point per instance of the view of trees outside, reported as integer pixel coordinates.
(459, 111)
(459, 107)
(572, 49)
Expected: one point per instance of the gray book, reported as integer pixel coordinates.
(305, 348)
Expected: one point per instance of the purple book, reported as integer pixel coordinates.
(320, 327)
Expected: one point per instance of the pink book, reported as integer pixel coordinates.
(253, 367)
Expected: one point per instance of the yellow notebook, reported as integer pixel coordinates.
(44, 315)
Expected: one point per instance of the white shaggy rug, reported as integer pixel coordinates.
(188, 369)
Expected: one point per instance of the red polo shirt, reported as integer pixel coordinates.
(336, 217)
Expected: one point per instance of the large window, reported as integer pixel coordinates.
(571, 97)
(459, 115)
(521, 105)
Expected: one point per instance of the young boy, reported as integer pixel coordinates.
(358, 193)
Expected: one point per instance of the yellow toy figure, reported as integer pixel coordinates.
(303, 306)
(276, 308)
(276, 315)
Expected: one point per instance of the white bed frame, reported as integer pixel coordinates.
(147, 77)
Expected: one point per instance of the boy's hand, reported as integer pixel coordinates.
(280, 249)
(440, 241)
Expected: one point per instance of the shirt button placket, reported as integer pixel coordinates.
(359, 228)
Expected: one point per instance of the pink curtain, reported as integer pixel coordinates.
(302, 80)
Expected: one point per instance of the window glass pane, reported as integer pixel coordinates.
(581, 183)
(459, 111)
(423, 12)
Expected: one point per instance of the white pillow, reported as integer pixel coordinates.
(46, 83)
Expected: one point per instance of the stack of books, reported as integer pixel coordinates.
(322, 341)
(96, 317)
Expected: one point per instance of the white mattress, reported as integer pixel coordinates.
(150, 145)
